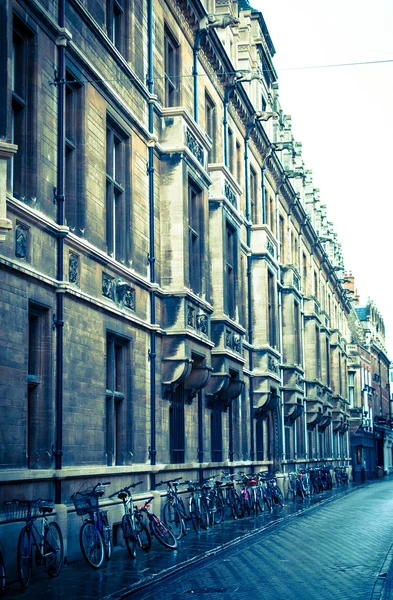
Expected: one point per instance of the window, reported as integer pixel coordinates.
(115, 23)
(259, 437)
(176, 426)
(117, 157)
(23, 164)
(210, 120)
(317, 353)
(238, 162)
(39, 418)
(216, 433)
(316, 285)
(305, 271)
(231, 160)
(74, 167)
(327, 362)
(272, 311)
(297, 333)
(351, 388)
(230, 271)
(295, 249)
(117, 361)
(195, 233)
(172, 69)
(282, 238)
(253, 195)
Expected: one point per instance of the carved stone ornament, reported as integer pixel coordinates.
(202, 323)
(230, 194)
(236, 340)
(107, 286)
(228, 338)
(22, 242)
(270, 247)
(125, 295)
(73, 267)
(195, 147)
(190, 316)
(272, 365)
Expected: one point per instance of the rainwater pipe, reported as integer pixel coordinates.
(151, 258)
(58, 319)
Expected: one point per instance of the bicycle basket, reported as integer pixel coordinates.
(85, 502)
(17, 510)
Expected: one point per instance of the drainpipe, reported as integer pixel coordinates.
(58, 321)
(249, 284)
(280, 332)
(150, 172)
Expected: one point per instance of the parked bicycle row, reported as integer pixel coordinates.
(204, 503)
(305, 482)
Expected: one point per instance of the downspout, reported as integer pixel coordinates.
(280, 332)
(59, 199)
(150, 171)
(249, 288)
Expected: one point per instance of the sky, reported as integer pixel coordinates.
(343, 115)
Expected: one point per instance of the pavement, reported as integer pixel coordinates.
(339, 545)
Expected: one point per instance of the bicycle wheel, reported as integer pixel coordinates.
(278, 496)
(218, 515)
(24, 557)
(3, 577)
(162, 533)
(204, 514)
(106, 535)
(172, 519)
(194, 514)
(129, 535)
(92, 544)
(54, 549)
(236, 505)
(143, 537)
(260, 506)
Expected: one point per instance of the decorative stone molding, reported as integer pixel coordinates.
(195, 147)
(125, 294)
(22, 241)
(73, 268)
(107, 286)
(6, 152)
(202, 324)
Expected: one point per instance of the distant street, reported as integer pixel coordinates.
(340, 551)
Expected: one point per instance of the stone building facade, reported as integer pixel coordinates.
(172, 299)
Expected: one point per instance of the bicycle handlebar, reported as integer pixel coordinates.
(125, 489)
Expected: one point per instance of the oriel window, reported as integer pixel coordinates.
(272, 317)
(117, 203)
(230, 270)
(195, 233)
(172, 69)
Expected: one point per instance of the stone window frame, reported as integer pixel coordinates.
(211, 125)
(116, 24)
(39, 429)
(177, 434)
(118, 191)
(118, 355)
(172, 87)
(24, 110)
(195, 236)
(231, 270)
(75, 185)
(272, 311)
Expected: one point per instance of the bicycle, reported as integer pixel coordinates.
(197, 507)
(135, 532)
(298, 484)
(48, 541)
(3, 575)
(231, 498)
(174, 511)
(341, 476)
(273, 490)
(214, 504)
(158, 528)
(95, 534)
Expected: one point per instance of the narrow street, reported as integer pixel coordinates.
(338, 548)
(340, 551)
